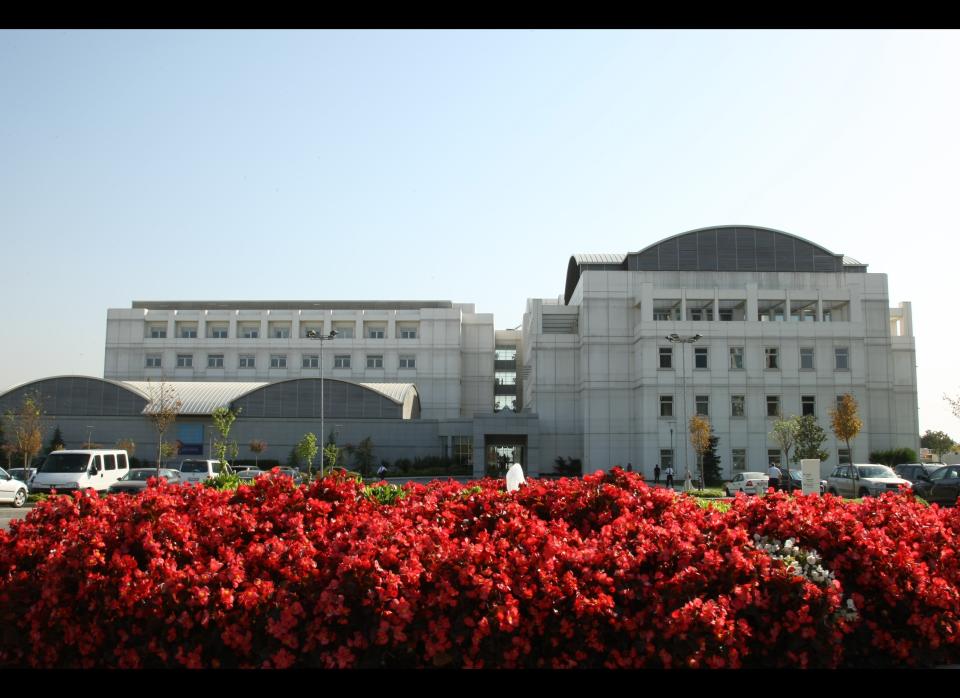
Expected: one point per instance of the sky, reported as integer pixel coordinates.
(456, 165)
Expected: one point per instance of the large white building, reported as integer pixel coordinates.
(781, 326)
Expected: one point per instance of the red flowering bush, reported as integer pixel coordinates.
(601, 571)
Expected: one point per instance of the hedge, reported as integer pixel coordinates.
(600, 571)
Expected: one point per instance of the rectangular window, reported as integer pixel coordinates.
(806, 358)
(463, 450)
(341, 361)
(345, 330)
(411, 362)
(843, 456)
(703, 405)
(773, 456)
(666, 405)
(278, 361)
(374, 361)
(248, 361)
(505, 377)
(278, 331)
(772, 357)
(738, 456)
(808, 405)
(408, 332)
(376, 332)
(737, 406)
(842, 358)
(218, 331)
(186, 331)
(153, 361)
(666, 458)
(773, 405)
(666, 357)
(700, 357)
(736, 358)
(184, 360)
(250, 331)
(214, 360)
(157, 331)
(316, 328)
(311, 361)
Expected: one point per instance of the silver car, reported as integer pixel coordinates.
(748, 483)
(864, 480)
(12, 491)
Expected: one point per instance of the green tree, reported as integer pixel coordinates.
(56, 441)
(845, 421)
(26, 425)
(223, 419)
(810, 438)
(938, 442)
(162, 411)
(363, 457)
(785, 434)
(307, 450)
(711, 463)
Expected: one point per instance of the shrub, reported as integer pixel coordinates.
(599, 571)
(894, 456)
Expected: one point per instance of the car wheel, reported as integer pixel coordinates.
(833, 491)
(864, 492)
(20, 498)
(726, 491)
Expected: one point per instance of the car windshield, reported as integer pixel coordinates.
(142, 475)
(65, 463)
(875, 471)
(795, 475)
(193, 466)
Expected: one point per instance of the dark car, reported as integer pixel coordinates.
(136, 480)
(794, 482)
(942, 486)
(912, 471)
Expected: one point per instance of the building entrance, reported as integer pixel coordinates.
(502, 449)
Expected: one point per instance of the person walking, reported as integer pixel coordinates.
(774, 474)
(669, 474)
(629, 467)
(656, 474)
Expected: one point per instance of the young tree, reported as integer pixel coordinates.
(938, 442)
(257, 446)
(223, 419)
(845, 421)
(711, 463)
(56, 441)
(700, 438)
(26, 425)
(164, 408)
(810, 438)
(307, 450)
(363, 455)
(785, 434)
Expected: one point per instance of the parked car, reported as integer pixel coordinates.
(793, 482)
(237, 469)
(22, 474)
(912, 471)
(136, 480)
(864, 480)
(748, 483)
(942, 486)
(292, 473)
(80, 469)
(197, 470)
(12, 490)
(250, 473)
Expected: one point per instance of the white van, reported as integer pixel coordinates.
(198, 470)
(66, 471)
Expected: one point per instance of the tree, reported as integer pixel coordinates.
(845, 421)
(307, 450)
(26, 424)
(700, 438)
(164, 407)
(257, 446)
(785, 434)
(127, 445)
(363, 456)
(223, 419)
(711, 463)
(810, 438)
(56, 441)
(938, 442)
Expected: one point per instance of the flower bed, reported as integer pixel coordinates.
(602, 571)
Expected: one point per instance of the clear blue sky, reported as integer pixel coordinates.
(461, 165)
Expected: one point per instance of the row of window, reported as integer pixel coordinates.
(738, 458)
(771, 358)
(738, 405)
(279, 361)
(252, 331)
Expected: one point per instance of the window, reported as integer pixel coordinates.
(218, 331)
(703, 405)
(278, 361)
(278, 331)
(248, 361)
(843, 456)
(214, 360)
(411, 362)
(666, 405)
(505, 377)
(341, 361)
(376, 332)
(700, 355)
(666, 458)
(737, 406)
(311, 361)
(806, 358)
(375, 361)
(186, 331)
(842, 358)
(738, 456)
(505, 354)
(773, 456)
(463, 450)
(666, 357)
(306, 328)
(158, 332)
(408, 333)
(184, 360)
(736, 358)
(726, 315)
(250, 331)
(773, 405)
(153, 361)
(344, 330)
(808, 405)
(772, 357)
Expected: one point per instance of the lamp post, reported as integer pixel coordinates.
(312, 334)
(683, 341)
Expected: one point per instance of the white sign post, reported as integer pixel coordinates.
(515, 477)
(810, 476)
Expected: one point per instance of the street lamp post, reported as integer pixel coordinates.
(312, 334)
(683, 341)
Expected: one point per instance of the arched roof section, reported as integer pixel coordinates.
(78, 396)
(299, 398)
(580, 263)
(197, 398)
